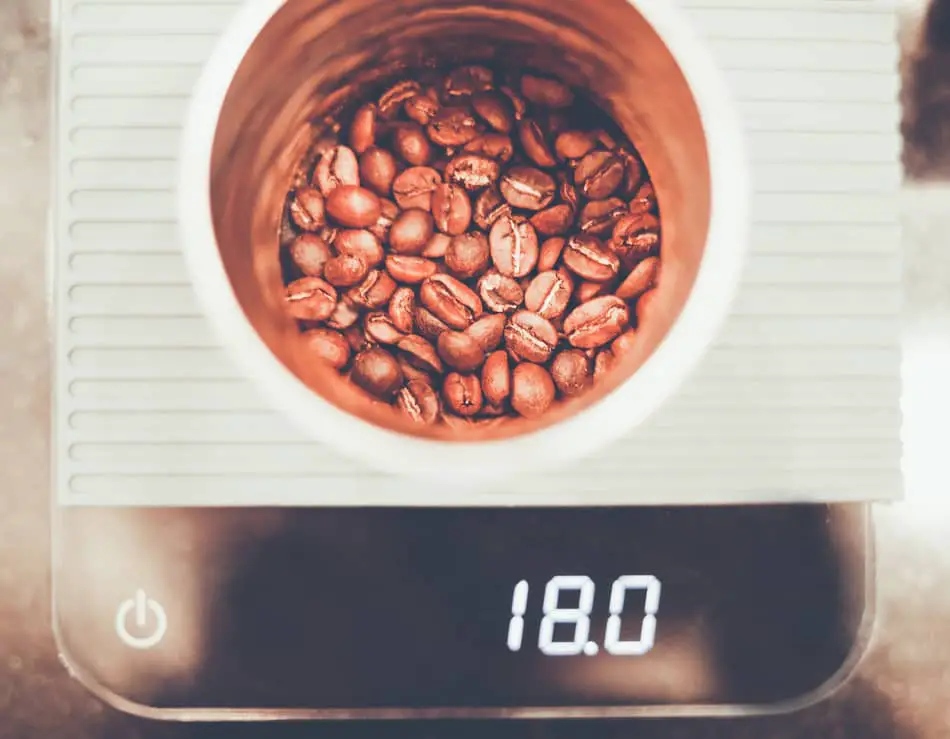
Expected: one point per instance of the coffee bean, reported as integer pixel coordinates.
(546, 92)
(645, 200)
(596, 323)
(588, 258)
(633, 173)
(375, 290)
(600, 217)
(553, 221)
(420, 354)
(646, 306)
(587, 291)
(492, 145)
(534, 144)
(344, 315)
(635, 237)
(437, 247)
(571, 372)
(496, 378)
(532, 390)
(460, 351)
(624, 343)
(414, 187)
(528, 188)
(571, 145)
(462, 394)
(500, 293)
(413, 374)
(310, 254)
(388, 212)
(567, 191)
(468, 255)
(495, 109)
(642, 278)
(311, 299)
(605, 139)
(396, 96)
(550, 254)
(549, 294)
(345, 271)
(530, 337)
(473, 171)
(467, 81)
(402, 307)
(451, 301)
(412, 144)
(328, 346)
(422, 108)
(453, 126)
(354, 207)
(599, 174)
(451, 209)
(514, 246)
(363, 130)
(428, 324)
(419, 402)
(337, 167)
(411, 232)
(488, 331)
(357, 339)
(381, 329)
(410, 270)
(360, 243)
(308, 210)
(604, 363)
(518, 104)
(489, 207)
(378, 170)
(377, 372)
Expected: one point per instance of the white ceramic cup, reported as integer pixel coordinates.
(285, 63)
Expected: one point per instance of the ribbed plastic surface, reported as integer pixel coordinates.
(797, 400)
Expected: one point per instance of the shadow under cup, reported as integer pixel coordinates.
(314, 55)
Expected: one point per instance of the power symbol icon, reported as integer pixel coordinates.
(141, 622)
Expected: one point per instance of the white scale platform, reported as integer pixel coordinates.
(798, 399)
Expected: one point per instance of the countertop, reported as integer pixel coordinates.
(902, 688)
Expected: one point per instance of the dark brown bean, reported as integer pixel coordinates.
(354, 207)
(451, 301)
(530, 337)
(428, 324)
(489, 207)
(549, 294)
(308, 210)
(419, 402)
(462, 394)
(413, 374)
(589, 290)
(357, 339)
(518, 104)
(567, 191)
(633, 173)
(514, 246)
(546, 92)
(550, 254)
(363, 130)
(597, 322)
(645, 199)
(422, 108)
(488, 331)
(337, 167)
(468, 255)
(466, 81)
(500, 293)
(437, 247)
(411, 232)
(553, 221)
(328, 346)
(311, 299)
(344, 315)
(451, 209)
(375, 291)
(360, 243)
(402, 308)
(453, 127)
(492, 145)
(495, 109)
(571, 145)
(600, 217)
(345, 271)
(571, 372)
(635, 237)
(496, 378)
(378, 170)
(420, 354)
(460, 351)
(408, 270)
(587, 257)
(377, 372)
(414, 187)
(534, 144)
(473, 171)
(412, 144)
(528, 188)
(641, 279)
(310, 254)
(381, 329)
(532, 390)
(599, 174)
(396, 96)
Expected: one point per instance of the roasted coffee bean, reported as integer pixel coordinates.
(553, 221)
(645, 200)
(488, 331)
(604, 362)
(550, 254)
(310, 254)
(328, 346)
(337, 167)
(363, 130)
(408, 270)
(495, 109)
(489, 207)
(530, 337)
(419, 402)
(467, 81)
(388, 212)
(600, 217)
(308, 210)
(345, 271)
(414, 187)
(357, 339)
(635, 237)
(462, 394)
(381, 329)
(496, 378)
(378, 170)
(571, 145)
(549, 294)
(344, 315)
(588, 258)
(599, 174)
(646, 306)
(375, 290)
(353, 207)
(396, 96)
(597, 323)
(420, 354)
(624, 344)
(518, 104)
(492, 145)
(451, 209)
(311, 299)
(473, 171)
(412, 144)
(532, 390)
(567, 191)
(514, 246)
(589, 290)
(633, 173)
(571, 372)
(437, 247)
(377, 372)
(422, 108)
(460, 351)
(451, 301)
(546, 92)
(411, 232)
(500, 293)
(453, 127)
(641, 279)
(360, 243)
(528, 188)
(535, 145)
(468, 255)
(402, 308)
(428, 324)
(413, 374)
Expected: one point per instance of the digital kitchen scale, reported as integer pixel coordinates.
(206, 568)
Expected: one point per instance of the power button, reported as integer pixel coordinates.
(141, 622)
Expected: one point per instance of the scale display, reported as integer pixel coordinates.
(397, 612)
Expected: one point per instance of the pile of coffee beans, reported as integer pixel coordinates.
(478, 246)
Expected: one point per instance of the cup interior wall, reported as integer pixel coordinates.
(315, 56)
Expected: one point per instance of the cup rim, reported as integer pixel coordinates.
(596, 426)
